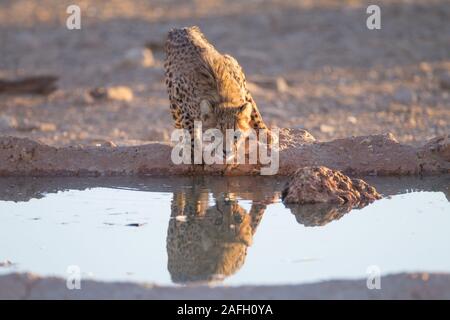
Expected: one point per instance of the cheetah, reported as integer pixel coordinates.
(205, 85)
(211, 243)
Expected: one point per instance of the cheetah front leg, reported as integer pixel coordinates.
(182, 122)
(175, 110)
(257, 122)
(188, 123)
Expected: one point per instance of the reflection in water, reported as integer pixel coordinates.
(211, 241)
(320, 214)
(209, 231)
(312, 215)
(208, 241)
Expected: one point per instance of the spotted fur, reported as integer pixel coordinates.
(195, 72)
(211, 241)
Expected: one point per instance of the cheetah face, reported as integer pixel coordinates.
(225, 116)
(237, 119)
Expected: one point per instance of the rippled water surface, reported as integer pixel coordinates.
(226, 230)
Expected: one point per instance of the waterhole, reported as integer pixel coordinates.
(229, 231)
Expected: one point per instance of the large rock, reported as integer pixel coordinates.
(318, 195)
(311, 185)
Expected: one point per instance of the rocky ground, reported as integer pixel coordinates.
(310, 64)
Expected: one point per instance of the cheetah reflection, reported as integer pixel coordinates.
(207, 239)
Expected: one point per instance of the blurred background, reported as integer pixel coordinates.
(310, 64)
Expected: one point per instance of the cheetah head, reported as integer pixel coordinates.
(225, 116)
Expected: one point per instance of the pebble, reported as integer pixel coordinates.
(444, 81)
(352, 119)
(47, 127)
(26, 125)
(119, 93)
(326, 128)
(282, 85)
(138, 57)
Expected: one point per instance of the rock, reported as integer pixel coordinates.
(99, 93)
(43, 85)
(426, 67)
(326, 128)
(119, 93)
(291, 138)
(444, 81)
(405, 95)
(138, 57)
(47, 127)
(281, 85)
(26, 125)
(323, 185)
(352, 119)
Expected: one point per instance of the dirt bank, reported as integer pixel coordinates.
(399, 286)
(365, 155)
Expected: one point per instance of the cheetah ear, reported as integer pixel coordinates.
(205, 109)
(246, 109)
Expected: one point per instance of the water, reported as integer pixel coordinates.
(227, 230)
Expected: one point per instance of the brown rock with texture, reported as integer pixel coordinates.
(322, 185)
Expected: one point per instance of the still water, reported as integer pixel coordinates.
(222, 230)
